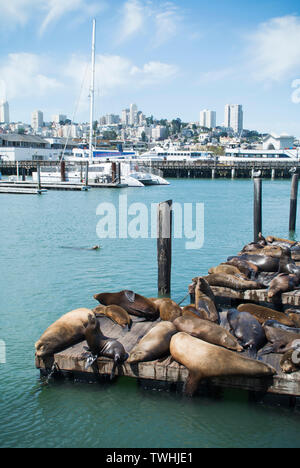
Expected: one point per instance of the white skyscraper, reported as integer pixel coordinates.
(4, 112)
(133, 114)
(234, 117)
(208, 119)
(125, 116)
(37, 120)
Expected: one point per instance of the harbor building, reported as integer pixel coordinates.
(275, 142)
(4, 112)
(208, 119)
(37, 120)
(234, 117)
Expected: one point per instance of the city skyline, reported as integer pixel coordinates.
(154, 53)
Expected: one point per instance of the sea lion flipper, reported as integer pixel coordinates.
(130, 295)
(191, 385)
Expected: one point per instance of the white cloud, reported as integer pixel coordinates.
(274, 48)
(167, 21)
(24, 76)
(133, 19)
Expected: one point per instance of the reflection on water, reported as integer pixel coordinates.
(39, 282)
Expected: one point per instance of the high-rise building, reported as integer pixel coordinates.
(37, 120)
(208, 119)
(133, 114)
(234, 117)
(125, 116)
(4, 112)
(59, 118)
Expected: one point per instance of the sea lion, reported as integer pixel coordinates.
(116, 313)
(204, 360)
(295, 319)
(232, 282)
(282, 284)
(270, 251)
(264, 263)
(133, 303)
(205, 301)
(227, 270)
(290, 362)
(154, 345)
(247, 330)
(280, 341)
(168, 309)
(277, 241)
(207, 331)
(248, 268)
(224, 321)
(265, 278)
(99, 345)
(262, 314)
(65, 332)
(191, 310)
(275, 324)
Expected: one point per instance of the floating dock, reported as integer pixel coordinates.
(32, 186)
(22, 191)
(162, 373)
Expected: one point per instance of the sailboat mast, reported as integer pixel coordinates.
(92, 92)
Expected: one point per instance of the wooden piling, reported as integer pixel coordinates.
(257, 208)
(164, 247)
(293, 205)
(114, 172)
(87, 174)
(63, 171)
(39, 176)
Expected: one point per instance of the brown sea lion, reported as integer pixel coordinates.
(168, 309)
(295, 319)
(262, 314)
(207, 331)
(290, 362)
(133, 303)
(227, 270)
(101, 346)
(232, 282)
(205, 301)
(246, 267)
(154, 345)
(116, 313)
(282, 284)
(204, 360)
(191, 310)
(65, 332)
(274, 252)
(280, 341)
(272, 240)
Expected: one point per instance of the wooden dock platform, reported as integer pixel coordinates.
(22, 191)
(33, 186)
(165, 371)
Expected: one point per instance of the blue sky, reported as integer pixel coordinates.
(172, 58)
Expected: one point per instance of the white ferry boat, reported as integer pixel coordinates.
(254, 155)
(175, 154)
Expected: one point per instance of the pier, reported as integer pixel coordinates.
(164, 373)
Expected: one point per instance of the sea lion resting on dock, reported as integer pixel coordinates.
(232, 282)
(227, 270)
(99, 345)
(205, 300)
(280, 341)
(290, 362)
(295, 319)
(133, 303)
(275, 324)
(247, 330)
(116, 314)
(168, 309)
(262, 314)
(246, 267)
(204, 360)
(281, 284)
(264, 263)
(207, 331)
(65, 332)
(191, 311)
(154, 345)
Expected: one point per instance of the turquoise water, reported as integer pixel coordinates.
(40, 281)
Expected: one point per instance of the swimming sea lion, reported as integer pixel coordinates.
(280, 341)
(116, 313)
(247, 330)
(168, 309)
(205, 301)
(262, 314)
(65, 332)
(204, 360)
(154, 345)
(290, 362)
(227, 270)
(232, 282)
(133, 303)
(282, 284)
(99, 345)
(207, 331)
(191, 310)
